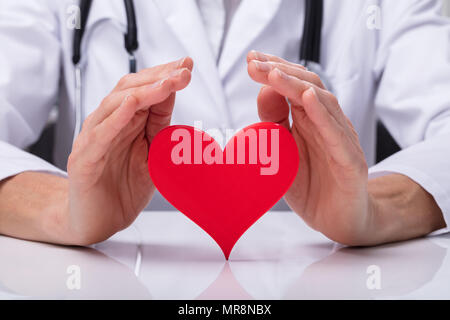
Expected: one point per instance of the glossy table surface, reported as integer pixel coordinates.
(163, 255)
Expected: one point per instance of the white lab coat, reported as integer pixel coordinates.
(400, 73)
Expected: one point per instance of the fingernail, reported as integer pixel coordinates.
(158, 83)
(281, 74)
(262, 66)
(163, 81)
(154, 84)
(176, 73)
(260, 56)
(181, 62)
(124, 101)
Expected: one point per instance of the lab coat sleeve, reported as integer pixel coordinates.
(29, 78)
(413, 96)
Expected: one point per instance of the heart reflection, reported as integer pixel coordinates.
(39, 271)
(403, 268)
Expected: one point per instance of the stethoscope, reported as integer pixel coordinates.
(131, 45)
(309, 48)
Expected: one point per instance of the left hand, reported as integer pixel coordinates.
(330, 191)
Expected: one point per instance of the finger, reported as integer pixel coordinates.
(147, 95)
(293, 88)
(273, 107)
(162, 89)
(265, 57)
(284, 84)
(159, 117)
(263, 69)
(335, 137)
(93, 145)
(154, 74)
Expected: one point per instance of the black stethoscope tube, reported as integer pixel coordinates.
(85, 8)
(131, 37)
(312, 32)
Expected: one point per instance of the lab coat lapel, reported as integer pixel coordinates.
(184, 18)
(251, 18)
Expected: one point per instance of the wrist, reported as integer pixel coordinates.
(377, 229)
(55, 223)
(402, 209)
(32, 207)
(362, 230)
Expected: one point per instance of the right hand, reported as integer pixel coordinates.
(109, 183)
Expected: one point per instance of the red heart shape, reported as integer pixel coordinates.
(224, 192)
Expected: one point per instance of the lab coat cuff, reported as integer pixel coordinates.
(440, 195)
(14, 161)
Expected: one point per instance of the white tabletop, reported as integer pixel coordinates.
(163, 255)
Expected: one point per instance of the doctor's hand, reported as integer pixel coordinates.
(109, 183)
(331, 191)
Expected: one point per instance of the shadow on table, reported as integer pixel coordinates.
(353, 273)
(42, 271)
